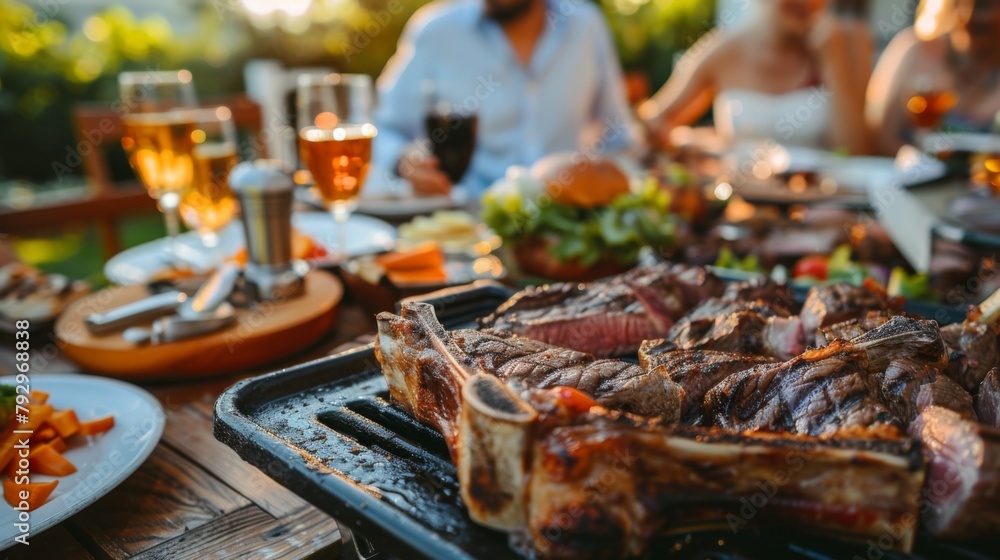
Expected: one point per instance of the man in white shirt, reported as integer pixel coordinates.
(541, 76)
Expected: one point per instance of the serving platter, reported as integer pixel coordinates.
(105, 461)
(327, 431)
(258, 336)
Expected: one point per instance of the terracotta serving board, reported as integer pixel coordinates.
(261, 335)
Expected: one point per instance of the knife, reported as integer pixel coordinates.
(145, 309)
(209, 296)
(179, 327)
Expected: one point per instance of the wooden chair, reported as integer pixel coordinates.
(98, 128)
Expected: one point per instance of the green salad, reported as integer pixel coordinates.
(620, 229)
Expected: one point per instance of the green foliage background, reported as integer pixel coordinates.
(46, 66)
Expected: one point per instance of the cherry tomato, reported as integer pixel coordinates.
(813, 265)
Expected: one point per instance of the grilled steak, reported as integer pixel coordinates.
(523, 362)
(739, 326)
(827, 391)
(601, 485)
(988, 399)
(909, 386)
(853, 328)
(963, 476)
(573, 479)
(765, 291)
(973, 348)
(695, 371)
(608, 318)
(836, 303)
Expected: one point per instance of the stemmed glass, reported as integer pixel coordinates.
(158, 127)
(929, 97)
(209, 204)
(335, 140)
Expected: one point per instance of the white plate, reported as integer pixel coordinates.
(139, 264)
(393, 207)
(103, 462)
(973, 142)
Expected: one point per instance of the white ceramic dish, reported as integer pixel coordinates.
(103, 461)
(140, 264)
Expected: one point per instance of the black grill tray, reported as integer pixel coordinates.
(326, 431)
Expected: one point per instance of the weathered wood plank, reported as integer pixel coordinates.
(186, 433)
(168, 496)
(251, 534)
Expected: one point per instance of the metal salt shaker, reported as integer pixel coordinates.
(264, 189)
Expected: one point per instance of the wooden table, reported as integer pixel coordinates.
(194, 497)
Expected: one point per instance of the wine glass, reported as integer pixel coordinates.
(209, 204)
(929, 97)
(157, 139)
(450, 127)
(335, 140)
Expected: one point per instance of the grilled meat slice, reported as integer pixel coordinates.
(973, 348)
(909, 386)
(988, 399)
(606, 318)
(615, 384)
(602, 485)
(419, 356)
(836, 303)
(819, 393)
(764, 291)
(827, 390)
(695, 371)
(741, 327)
(423, 367)
(963, 475)
(853, 328)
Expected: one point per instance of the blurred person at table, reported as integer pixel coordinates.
(956, 45)
(540, 76)
(795, 73)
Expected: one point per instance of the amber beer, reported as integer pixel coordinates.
(159, 147)
(209, 205)
(927, 108)
(338, 159)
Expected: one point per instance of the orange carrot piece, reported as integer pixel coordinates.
(38, 397)
(7, 450)
(32, 495)
(38, 414)
(45, 434)
(65, 422)
(12, 467)
(98, 426)
(58, 443)
(45, 459)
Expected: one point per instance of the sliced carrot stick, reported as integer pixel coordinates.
(12, 467)
(33, 495)
(58, 443)
(45, 459)
(38, 397)
(65, 422)
(44, 434)
(38, 414)
(98, 426)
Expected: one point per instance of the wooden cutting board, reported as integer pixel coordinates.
(261, 335)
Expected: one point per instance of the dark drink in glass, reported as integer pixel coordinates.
(453, 140)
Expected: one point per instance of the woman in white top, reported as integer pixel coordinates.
(796, 73)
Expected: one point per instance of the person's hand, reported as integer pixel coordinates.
(827, 36)
(423, 171)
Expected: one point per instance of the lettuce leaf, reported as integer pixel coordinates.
(619, 230)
